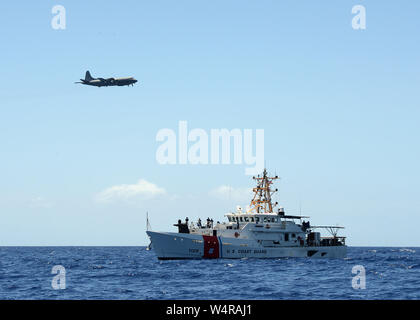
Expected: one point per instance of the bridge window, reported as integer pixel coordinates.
(246, 219)
(241, 219)
(252, 219)
(257, 219)
(286, 237)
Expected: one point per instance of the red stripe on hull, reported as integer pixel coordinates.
(211, 247)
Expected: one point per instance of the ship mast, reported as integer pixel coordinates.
(261, 202)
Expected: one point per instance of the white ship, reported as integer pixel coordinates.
(259, 232)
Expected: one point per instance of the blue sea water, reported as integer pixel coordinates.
(134, 273)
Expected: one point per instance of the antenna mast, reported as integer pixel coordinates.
(148, 226)
(261, 202)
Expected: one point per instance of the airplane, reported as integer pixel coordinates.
(101, 82)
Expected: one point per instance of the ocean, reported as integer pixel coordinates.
(135, 273)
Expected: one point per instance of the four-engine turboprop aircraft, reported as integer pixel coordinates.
(101, 82)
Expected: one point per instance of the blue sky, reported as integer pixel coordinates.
(340, 110)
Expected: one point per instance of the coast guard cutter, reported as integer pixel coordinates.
(259, 232)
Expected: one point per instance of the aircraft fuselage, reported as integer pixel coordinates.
(110, 82)
(101, 82)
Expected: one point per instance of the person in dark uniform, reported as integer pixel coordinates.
(182, 227)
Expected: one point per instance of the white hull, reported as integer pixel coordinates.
(170, 245)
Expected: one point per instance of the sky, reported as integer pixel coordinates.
(339, 108)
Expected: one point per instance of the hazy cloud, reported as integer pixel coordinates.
(142, 190)
(40, 202)
(225, 192)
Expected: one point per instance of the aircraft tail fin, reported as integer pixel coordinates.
(88, 77)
